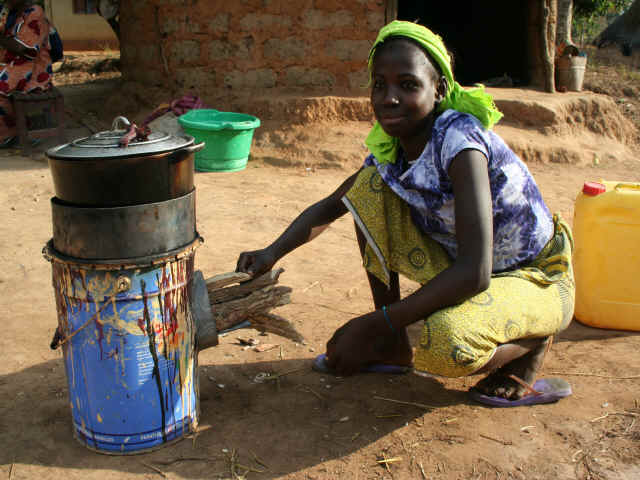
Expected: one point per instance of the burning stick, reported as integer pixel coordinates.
(238, 301)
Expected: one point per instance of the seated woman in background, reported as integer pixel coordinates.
(25, 59)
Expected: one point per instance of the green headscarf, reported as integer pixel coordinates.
(474, 101)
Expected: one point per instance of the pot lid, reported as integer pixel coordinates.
(105, 145)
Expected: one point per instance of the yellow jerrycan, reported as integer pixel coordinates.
(606, 259)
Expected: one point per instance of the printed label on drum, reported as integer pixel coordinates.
(145, 363)
(172, 431)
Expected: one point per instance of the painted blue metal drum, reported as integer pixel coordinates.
(128, 342)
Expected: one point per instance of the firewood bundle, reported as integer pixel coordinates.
(237, 299)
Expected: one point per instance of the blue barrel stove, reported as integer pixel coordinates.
(127, 296)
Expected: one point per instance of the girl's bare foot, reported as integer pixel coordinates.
(498, 383)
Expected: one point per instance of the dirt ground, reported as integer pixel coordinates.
(311, 426)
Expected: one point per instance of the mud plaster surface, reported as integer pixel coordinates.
(314, 426)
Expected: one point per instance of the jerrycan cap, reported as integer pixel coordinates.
(593, 188)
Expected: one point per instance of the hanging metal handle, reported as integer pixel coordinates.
(118, 120)
(60, 338)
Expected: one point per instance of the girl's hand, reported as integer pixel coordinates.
(355, 345)
(257, 262)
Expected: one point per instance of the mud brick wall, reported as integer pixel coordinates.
(249, 44)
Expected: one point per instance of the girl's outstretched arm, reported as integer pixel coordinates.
(308, 225)
(350, 347)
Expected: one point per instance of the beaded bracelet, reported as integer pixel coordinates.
(386, 317)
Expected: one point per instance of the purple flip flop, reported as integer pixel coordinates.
(551, 390)
(320, 365)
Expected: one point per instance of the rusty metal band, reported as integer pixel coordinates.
(53, 256)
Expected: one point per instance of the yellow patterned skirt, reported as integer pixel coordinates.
(530, 302)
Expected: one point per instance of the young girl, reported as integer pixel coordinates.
(444, 201)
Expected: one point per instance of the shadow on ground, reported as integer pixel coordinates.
(307, 419)
(579, 332)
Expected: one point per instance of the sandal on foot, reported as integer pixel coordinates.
(320, 365)
(545, 390)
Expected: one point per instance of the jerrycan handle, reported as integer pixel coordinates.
(629, 186)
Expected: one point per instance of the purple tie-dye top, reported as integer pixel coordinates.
(522, 223)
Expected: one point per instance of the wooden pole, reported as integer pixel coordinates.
(548, 39)
(390, 11)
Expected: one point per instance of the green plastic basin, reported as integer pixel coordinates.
(227, 137)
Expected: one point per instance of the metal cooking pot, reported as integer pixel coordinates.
(132, 231)
(96, 171)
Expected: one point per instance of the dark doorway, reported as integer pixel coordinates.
(488, 39)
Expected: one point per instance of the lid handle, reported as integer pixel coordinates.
(118, 120)
(630, 186)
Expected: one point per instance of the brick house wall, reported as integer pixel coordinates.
(245, 44)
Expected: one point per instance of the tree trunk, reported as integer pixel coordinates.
(548, 36)
(565, 20)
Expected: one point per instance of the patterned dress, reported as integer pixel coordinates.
(522, 224)
(23, 74)
(406, 213)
